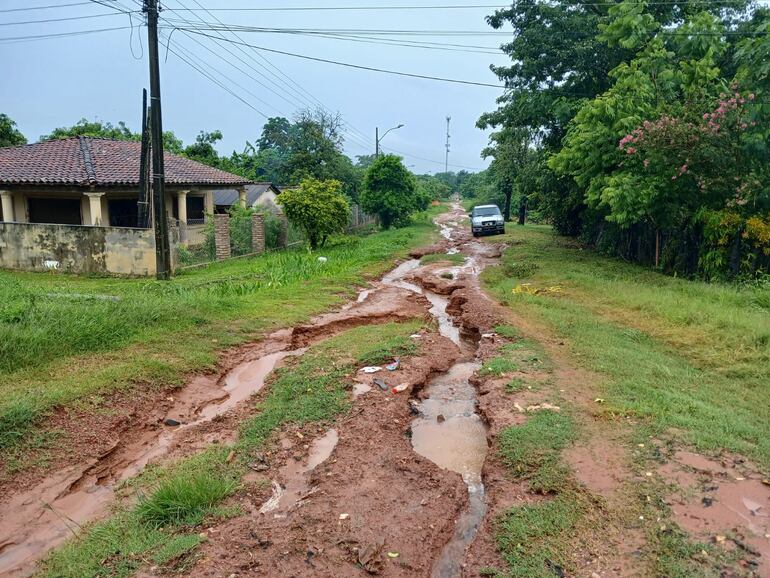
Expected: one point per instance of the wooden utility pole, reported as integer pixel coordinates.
(160, 217)
(143, 203)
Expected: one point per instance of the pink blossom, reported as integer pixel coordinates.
(705, 116)
(646, 162)
(630, 150)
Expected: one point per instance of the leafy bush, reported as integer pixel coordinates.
(317, 207)
(390, 192)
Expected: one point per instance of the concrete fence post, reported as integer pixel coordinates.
(258, 232)
(222, 236)
(283, 231)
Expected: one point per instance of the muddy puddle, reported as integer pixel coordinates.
(295, 474)
(36, 521)
(451, 434)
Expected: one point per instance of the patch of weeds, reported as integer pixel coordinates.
(16, 420)
(498, 366)
(33, 449)
(455, 259)
(447, 275)
(387, 350)
(508, 331)
(532, 450)
(515, 385)
(520, 269)
(184, 500)
(534, 539)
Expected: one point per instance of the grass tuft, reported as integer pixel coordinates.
(533, 538)
(184, 499)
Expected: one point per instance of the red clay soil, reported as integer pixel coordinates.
(373, 496)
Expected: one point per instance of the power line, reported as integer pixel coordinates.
(86, 17)
(28, 8)
(10, 39)
(361, 67)
(359, 8)
(289, 82)
(283, 91)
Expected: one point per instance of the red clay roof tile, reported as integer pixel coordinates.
(88, 161)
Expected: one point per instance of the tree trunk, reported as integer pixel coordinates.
(522, 209)
(507, 191)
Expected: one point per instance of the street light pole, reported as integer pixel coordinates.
(378, 138)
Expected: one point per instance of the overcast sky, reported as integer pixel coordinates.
(54, 82)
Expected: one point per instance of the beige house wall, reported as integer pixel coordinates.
(77, 249)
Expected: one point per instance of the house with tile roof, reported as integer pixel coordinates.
(95, 182)
(73, 204)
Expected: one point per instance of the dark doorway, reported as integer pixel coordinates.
(54, 211)
(122, 212)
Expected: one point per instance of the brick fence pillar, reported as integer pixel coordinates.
(258, 232)
(283, 231)
(222, 236)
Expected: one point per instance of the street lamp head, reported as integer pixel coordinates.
(400, 126)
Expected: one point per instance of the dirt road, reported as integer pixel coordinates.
(407, 483)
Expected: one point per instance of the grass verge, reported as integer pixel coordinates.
(679, 354)
(685, 360)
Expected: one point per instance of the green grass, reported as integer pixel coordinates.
(65, 338)
(682, 355)
(311, 388)
(455, 259)
(532, 451)
(533, 539)
(118, 548)
(515, 385)
(386, 350)
(498, 366)
(184, 500)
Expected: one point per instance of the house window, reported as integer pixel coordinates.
(123, 212)
(196, 210)
(54, 211)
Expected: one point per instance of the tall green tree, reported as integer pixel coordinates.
(389, 192)
(9, 135)
(203, 150)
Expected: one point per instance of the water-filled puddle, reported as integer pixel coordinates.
(451, 434)
(296, 475)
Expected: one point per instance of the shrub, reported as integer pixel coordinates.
(390, 192)
(318, 208)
